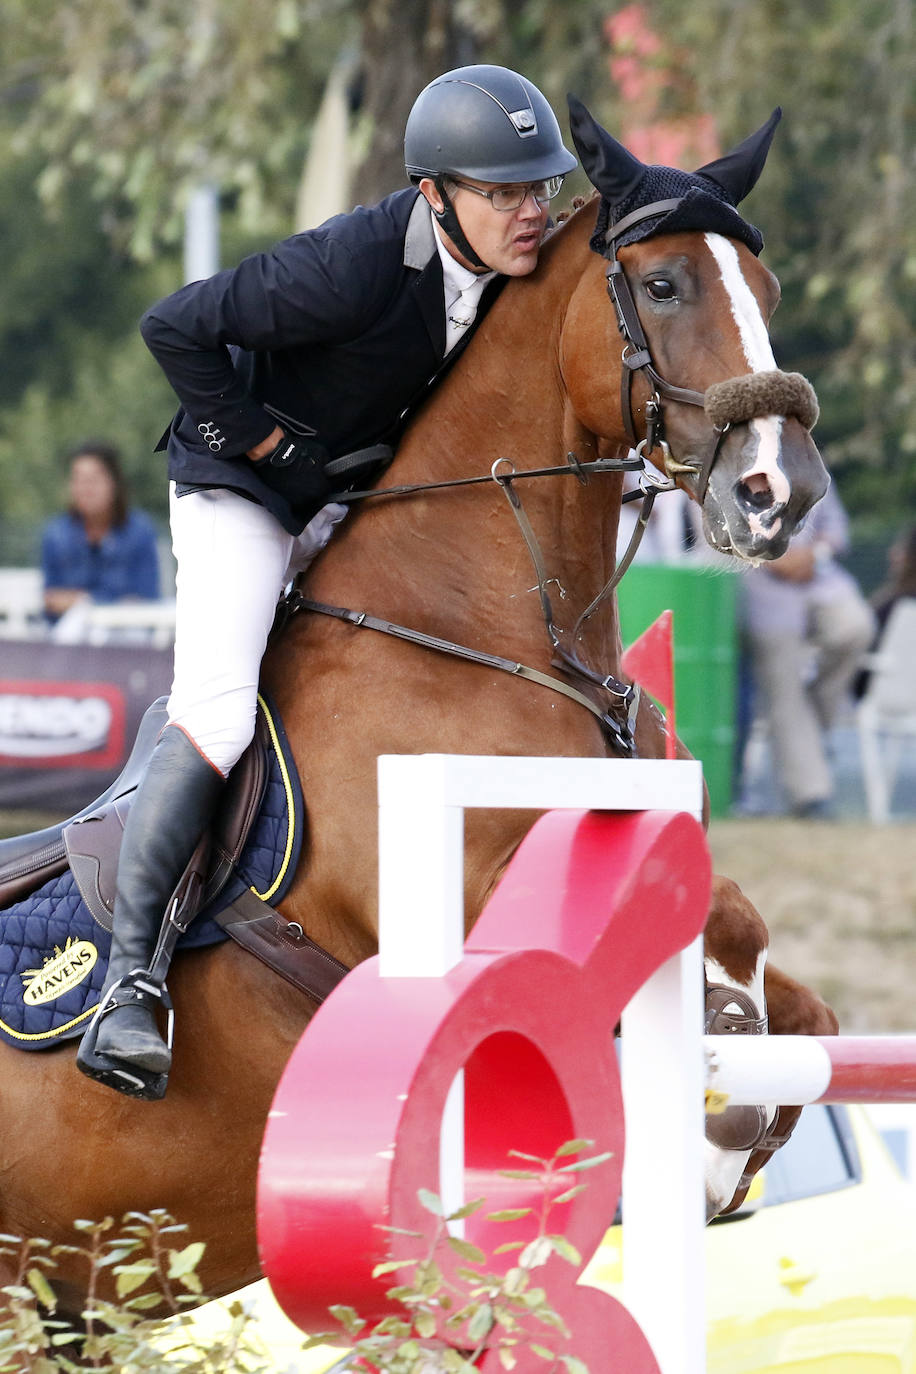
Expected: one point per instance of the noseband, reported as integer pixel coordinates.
(734, 401)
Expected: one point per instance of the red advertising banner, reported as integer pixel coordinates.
(61, 724)
(68, 717)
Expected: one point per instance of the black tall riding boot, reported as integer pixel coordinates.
(173, 806)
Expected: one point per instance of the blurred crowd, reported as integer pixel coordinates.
(100, 550)
(805, 636)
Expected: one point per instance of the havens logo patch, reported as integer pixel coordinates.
(65, 970)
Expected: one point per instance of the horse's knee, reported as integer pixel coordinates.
(736, 935)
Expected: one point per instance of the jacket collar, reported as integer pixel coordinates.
(419, 241)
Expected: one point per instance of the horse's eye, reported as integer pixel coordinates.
(660, 289)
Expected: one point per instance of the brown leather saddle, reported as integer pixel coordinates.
(89, 844)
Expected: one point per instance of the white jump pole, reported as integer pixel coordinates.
(421, 930)
(797, 1069)
(666, 1062)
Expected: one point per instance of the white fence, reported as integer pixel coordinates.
(666, 1062)
(123, 622)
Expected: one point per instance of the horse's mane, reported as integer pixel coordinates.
(576, 204)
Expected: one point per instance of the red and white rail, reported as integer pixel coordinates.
(667, 1065)
(798, 1069)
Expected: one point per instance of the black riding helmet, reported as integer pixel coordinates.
(487, 123)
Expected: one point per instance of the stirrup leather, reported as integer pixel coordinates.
(137, 986)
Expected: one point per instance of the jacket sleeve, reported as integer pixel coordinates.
(304, 291)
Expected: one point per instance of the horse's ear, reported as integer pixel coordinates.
(737, 171)
(610, 168)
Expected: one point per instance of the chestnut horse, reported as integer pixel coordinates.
(540, 381)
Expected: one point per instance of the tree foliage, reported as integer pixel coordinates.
(113, 110)
(142, 101)
(837, 205)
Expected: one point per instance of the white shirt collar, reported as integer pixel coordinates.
(457, 278)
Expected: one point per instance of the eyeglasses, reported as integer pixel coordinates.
(508, 198)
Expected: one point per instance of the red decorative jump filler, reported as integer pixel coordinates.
(590, 906)
(429, 1064)
(650, 662)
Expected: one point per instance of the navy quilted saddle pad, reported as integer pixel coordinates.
(54, 955)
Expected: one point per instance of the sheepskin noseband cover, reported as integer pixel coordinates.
(761, 393)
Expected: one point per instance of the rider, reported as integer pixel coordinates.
(313, 352)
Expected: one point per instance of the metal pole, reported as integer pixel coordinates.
(201, 233)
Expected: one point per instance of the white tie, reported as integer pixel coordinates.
(461, 314)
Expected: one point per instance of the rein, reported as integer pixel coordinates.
(620, 733)
(572, 467)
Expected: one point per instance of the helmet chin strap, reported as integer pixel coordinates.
(448, 219)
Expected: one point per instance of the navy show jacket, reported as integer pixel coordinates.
(340, 328)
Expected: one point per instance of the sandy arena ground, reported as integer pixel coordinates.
(840, 902)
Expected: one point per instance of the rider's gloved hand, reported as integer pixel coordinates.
(292, 453)
(293, 465)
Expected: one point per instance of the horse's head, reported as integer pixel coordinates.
(701, 395)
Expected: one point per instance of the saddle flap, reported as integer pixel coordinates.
(238, 809)
(93, 843)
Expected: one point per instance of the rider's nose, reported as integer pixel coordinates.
(530, 208)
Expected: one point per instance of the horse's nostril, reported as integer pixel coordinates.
(755, 493)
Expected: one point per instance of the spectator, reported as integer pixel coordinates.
(901, 566)
(99, 550)
(807, 626)
(673, 532)
(901, 582)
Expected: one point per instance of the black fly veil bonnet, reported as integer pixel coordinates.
(639, 201)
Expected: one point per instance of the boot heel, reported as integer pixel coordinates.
(130, 1079)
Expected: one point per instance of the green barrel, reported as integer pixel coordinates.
(703, 602)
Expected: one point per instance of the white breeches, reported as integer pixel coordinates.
(234, 558)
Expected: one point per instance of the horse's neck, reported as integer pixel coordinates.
(455, 562)
(452, 564)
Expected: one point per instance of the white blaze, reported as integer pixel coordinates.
(745, 308)
(755, 340)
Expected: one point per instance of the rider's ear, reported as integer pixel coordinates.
(737, 171)
(429, 190)
(611, 168)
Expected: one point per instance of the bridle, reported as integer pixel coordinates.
(637, 357)
(795, 395)
(734, 401)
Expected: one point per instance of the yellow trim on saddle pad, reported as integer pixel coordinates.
(290, 806)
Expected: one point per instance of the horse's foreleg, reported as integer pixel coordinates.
(735, 949)
(793, 1010)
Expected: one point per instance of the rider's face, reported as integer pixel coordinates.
(508, 241)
